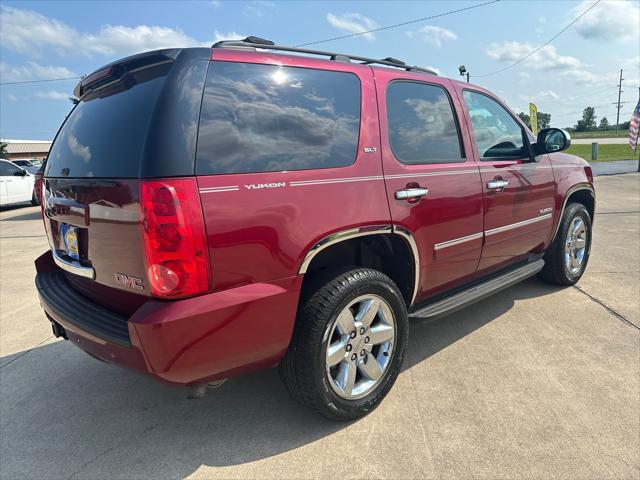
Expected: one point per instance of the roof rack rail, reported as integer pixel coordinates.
(257, 42)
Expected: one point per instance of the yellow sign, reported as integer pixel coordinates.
(533, 118)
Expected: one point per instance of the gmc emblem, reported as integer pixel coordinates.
(127, 281)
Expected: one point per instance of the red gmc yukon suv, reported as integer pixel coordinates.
(212, 212)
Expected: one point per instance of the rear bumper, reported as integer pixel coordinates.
(181, 342)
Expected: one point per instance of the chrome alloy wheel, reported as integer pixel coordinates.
(360, 346)
(575, 245)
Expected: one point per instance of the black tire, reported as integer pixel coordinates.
(303, 369)
(555, 269)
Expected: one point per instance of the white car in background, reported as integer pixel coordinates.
(16, 184)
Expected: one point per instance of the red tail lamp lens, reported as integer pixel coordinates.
(175, 239)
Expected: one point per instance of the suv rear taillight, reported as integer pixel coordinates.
(175, 240)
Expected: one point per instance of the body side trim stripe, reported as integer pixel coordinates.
(231, 188)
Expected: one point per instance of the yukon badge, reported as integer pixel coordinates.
(255, 186)
(127, 281)
(545, 210)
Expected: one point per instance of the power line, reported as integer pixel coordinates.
(379, 29)
(40, 81)
(578, 112)
(387, 27)
(593, 92)
(537, 49)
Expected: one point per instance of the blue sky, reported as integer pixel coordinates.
(55, 39)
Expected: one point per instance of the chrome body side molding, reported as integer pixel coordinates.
(361, 232)
(457, 241)
(511, 226)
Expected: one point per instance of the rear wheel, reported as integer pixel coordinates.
(348, 345)
(567, 257)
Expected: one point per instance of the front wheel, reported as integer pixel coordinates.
(348, 345)
(567, 257)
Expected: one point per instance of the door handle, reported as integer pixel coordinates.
(411, 193)
(497, 184)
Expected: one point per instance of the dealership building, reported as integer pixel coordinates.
(27, 149)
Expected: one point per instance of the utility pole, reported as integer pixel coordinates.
(618, 104)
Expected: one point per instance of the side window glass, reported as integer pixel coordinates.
(266, 118)
(496, 133)
(7, 169)
(421, 123)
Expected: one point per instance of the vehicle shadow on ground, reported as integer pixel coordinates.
(16, 206)
(25, 216)
(65, 413)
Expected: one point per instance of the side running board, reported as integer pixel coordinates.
(477, 292)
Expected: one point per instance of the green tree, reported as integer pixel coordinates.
(524, 117)
(588, 121)
(604, 124)
(74, 100)
(3, 150)
(544, 120)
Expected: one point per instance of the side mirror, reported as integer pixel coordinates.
(552, 140)
(19, 173)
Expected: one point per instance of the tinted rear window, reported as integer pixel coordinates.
(261, 118)
(105, 134)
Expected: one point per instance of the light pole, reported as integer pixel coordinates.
(463, 72)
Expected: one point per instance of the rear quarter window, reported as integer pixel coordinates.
(104, 135)
(263, 118)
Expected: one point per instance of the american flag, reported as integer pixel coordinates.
(633, 128)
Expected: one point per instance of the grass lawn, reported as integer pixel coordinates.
(605, 152)
(601, 134)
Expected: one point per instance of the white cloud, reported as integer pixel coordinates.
(353, 23)
(436, 36)
(547, 58)
(546, 95)
(258, 8)
(31, 33)
(12, 97)
(435, 69)
(32, 71)
(112, 40)
(609, 20)
(215, 3)
(219, 36)
(584, 77)
(52, 95)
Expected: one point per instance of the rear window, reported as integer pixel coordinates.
(105, 133)
(262, 118)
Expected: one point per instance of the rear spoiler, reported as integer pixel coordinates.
(128, 71)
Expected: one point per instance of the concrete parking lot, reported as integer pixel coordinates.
(535, 382)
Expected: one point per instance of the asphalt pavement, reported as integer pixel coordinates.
(537, 381)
